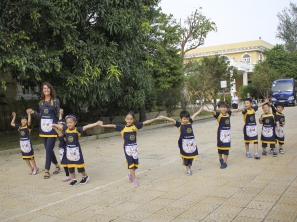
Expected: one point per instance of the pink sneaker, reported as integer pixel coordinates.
(67, 178)
(35, 171)
(135, 182)
(31, 171)
(130, 179)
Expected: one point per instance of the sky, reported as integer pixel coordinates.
(236, 20)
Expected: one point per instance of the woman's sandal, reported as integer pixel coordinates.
(57, 170)
(46, 175)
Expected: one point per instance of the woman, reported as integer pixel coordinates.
(49, 107)
(234, 102)
(248, 95)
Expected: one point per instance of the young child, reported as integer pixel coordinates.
(74, 154)
(250, 130)
(268, 120)
(128, 132)
(224, 131)
(25, 143)
(279, 131)
(186, 142)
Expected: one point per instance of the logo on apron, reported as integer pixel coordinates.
(267, 132)
(225, 136)
(22, 132)
(251, 131)
(25, 146)
(73, 154)
(189, 145)
(45, 111)
(132, 137)
(70, 139)
(132, 151)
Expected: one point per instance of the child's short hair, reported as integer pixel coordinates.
(280, 104)
(184, 113)
(222, 103)
(266, 104)
(130, 113)
(248, 99)
(24, 117)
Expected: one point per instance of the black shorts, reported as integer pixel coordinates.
(187, 162)
(224, 152)
(264, 145)
(80, 170)
(234, 106)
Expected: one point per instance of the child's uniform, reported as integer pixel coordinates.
(187, 143)
(224, 132)
(280, 117)
(62, 151)
(74, 154)
(268, 130)
(25, 142)
(130, 144)
(250, 130)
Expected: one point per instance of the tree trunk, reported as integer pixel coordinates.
(142, 114)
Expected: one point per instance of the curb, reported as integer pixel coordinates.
(101, 136)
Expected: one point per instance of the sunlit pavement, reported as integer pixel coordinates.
(247, 190)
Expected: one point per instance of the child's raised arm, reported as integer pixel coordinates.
(61, 114)
(29, 118)
(59, 132)
(58, 126)
(209, 111)
(150, 121)
(98, 123)
(261, 104)
(168, 119)
(13, 119)
(197, 113)
(107, 125)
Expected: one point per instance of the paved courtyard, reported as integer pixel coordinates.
(247, 190)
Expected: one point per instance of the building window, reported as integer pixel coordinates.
(247, 58)
(225, 57)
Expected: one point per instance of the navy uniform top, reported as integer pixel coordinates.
(186, 142)
(280, 117)
(250, 127)
(129, 133)
(224, 130)
(73, 149)
(268, 128)
(25, 142)
(49, 111)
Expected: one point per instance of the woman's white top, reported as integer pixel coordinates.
(234, 100)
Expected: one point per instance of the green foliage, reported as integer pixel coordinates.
(244, 90)
(91, 51)
(262, 78)
(205, 76)
(285, 63)
(286, 29)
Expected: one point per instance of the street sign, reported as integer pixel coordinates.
(223, 84)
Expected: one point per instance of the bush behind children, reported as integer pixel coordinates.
(71, 155)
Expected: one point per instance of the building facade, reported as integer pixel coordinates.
(243, 55)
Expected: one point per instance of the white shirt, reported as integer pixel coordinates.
(234, 100)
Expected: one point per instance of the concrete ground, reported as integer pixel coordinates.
(247, 190)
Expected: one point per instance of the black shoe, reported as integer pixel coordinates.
(84, 180)
(73, 182)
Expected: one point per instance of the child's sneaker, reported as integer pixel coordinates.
(274, 154)
(73, 182)
(189, 173)
(35, 171)
(135, 182)
(67, 178)
(84, 180)
(256, 156)
(224, 165)
(130, 179)
(281, 151)
(30, 171)
(264, 153)
(221, 161)
(249, 155)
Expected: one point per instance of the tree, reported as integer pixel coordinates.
(287, 27)
(284, 62)
(262, 78)
(205, 76)
(166, 62)
(91, 51)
